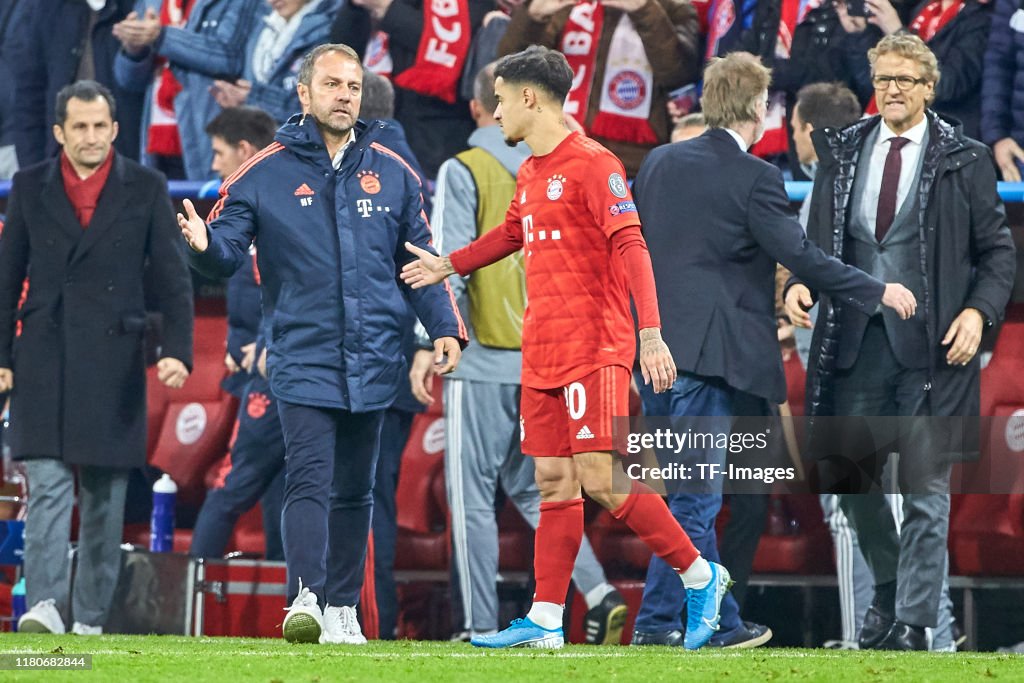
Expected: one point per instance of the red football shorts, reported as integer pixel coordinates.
(577, 418)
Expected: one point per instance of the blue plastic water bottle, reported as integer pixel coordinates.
(161, 523)
(18, 606)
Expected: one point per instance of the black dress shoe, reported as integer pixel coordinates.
(747, 635)
(673, 638)
(904, 637)
(879, 618)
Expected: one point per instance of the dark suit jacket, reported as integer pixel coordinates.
(716, 220)
(79, 374)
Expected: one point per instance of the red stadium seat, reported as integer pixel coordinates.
(515, 540)
(987, 530)
(421, 504)
(795, 547)
(796, 383)
(190, 427)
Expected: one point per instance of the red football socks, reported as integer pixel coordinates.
(646, 514)
(556, 545)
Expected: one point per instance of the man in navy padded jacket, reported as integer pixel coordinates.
(330, 210)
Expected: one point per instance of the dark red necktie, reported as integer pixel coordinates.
(890, 184)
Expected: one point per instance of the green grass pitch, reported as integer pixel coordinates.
(233, 660)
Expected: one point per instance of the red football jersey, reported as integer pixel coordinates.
(568, 204)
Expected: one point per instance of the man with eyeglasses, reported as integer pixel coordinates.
(905, 196)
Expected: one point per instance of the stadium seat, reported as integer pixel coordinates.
(421, 504)
(796, 383)
(792, 545)
(987, 529)
(192, 425)
(515, 540)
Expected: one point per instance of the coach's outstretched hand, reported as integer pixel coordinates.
(428, 269)
(656, 362)
(193, 228)
(900, 299)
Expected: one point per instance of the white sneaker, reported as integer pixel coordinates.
(304, 623)
(341, 627)
(42, 618)
(80, 629)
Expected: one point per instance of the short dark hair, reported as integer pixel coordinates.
(538, 66)
(309, 61)
(483, 88)
(251, 124)
(87, 91)
(378, 98)
(827, 105)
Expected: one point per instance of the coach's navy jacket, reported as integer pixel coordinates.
(329, 249)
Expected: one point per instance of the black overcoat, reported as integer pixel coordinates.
(79, 370)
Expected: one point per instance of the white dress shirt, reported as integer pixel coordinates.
(910, 156)
(340, 155)
(738, 138)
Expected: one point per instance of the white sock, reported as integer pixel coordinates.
(697, 575)
(596, 594)
(546, 615)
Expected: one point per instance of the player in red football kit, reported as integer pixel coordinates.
(574, 216)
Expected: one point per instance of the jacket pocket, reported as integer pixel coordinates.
(133, 323)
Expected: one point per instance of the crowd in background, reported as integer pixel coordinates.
(174, 64)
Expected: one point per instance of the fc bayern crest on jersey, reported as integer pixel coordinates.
(555, 187)
(627, 90)
(617, 185)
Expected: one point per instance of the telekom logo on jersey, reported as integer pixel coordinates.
(437, 48)
(529, 234)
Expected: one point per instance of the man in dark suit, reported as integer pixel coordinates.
(903, 195)
(84, 226)
(716, 220)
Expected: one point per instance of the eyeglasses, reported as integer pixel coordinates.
(904, 83)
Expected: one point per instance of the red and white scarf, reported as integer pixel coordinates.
(627, 89)
(931, 19)
(162, 135)
(776, 136)
(444, 45)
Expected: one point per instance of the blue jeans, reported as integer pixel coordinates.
(664, 596)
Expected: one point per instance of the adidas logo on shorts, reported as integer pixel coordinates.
(584, 433)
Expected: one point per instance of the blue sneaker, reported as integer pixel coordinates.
(522, 633)
(702, 608)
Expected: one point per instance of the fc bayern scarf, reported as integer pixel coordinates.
(444, 45)
(931, 19)
(162, 135)
(627, 89)
(776, 136)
